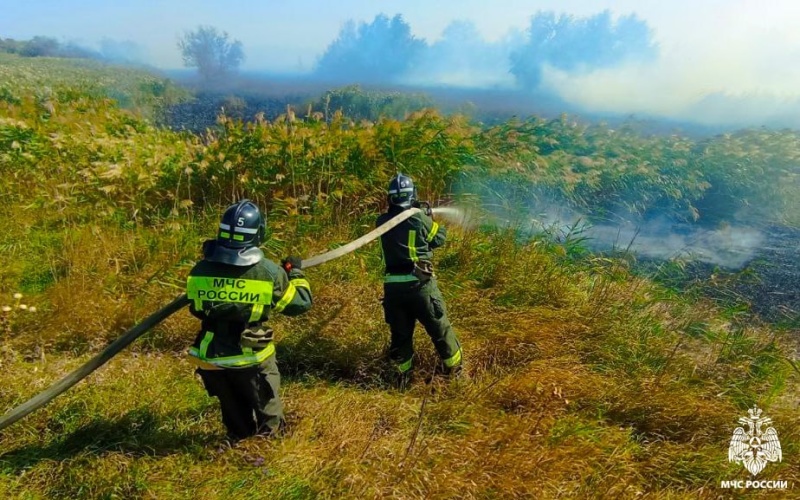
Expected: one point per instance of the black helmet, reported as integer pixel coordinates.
(402, 192)
(241, 231)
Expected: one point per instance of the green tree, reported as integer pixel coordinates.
(380, 51)
(40, 46)
(211, 52)
(577, 44)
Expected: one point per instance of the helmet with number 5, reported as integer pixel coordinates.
(401, 191)
(241, 231)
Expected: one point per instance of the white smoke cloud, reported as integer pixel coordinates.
(726, 62)
(730, 246)
(727, 246)
(721, 61)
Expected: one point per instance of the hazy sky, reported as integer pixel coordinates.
(738, 47)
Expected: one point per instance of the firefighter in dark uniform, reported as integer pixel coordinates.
(233, 290)
(410, 289)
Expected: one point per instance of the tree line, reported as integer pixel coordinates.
(45, 46)
(385, 50)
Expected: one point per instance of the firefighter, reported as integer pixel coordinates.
(233, 290)
(410, 289)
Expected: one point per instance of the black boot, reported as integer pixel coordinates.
(454, 372)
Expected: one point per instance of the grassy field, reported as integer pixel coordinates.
(584, 380)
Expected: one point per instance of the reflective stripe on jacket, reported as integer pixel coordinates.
(229, 299)
(411, 241)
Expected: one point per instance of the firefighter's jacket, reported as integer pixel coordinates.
(410, 242)
(228, 299)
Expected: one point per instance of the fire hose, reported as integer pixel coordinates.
(157, 317)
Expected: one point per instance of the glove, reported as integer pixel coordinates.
(424, 206)
(292, 262)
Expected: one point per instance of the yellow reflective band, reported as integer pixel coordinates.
(288, 296)
(255, 314)
(241, 361)
(229, 290)
(434, 230)
(203, 365)
(412, 245)
(405, 366)
(238, 237)
(301, 283)
(454, 360)
(204, 343)
(223, 234)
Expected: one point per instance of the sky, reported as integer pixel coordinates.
(741, 48)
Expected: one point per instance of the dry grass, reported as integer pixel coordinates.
(554, 406)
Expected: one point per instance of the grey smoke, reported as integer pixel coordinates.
(730, 246)
(385, 51)
(605, 63)
(122, 51)
(463, 58)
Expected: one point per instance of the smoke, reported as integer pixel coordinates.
(576, 45)
(604, 63)
(668, 90)
(462, 58)
(378, 52)
(722, 65)
(717, 62)
(730, 245)
(122, 51)
(385, 51)
(108, 50)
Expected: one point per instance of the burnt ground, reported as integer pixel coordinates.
(773, 289)
(767, 286)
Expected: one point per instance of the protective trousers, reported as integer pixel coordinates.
(249, 398)
(403, 305)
